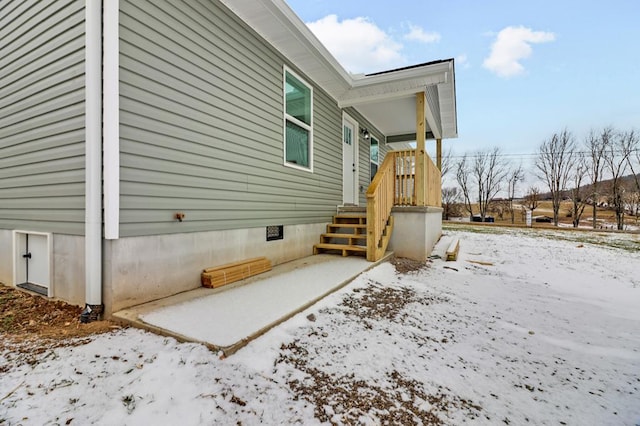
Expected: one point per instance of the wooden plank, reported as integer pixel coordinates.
(347, 247)
(236, 271)
(220, 278)
(232, 264)
(452, 251)
(345, 236)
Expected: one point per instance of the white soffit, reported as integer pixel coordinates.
(392, 117)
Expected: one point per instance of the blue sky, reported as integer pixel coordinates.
(524, 69)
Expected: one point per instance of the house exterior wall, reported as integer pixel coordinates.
(201, 111)
(42, 116)
(364, 164)
(141, 269)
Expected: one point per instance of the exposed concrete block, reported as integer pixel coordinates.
(6, 257)
(142, 269)
(416, 231)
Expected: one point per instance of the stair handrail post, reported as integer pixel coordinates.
(380, 200)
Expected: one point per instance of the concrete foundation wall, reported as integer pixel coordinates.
(416, 230)
(67, 264)
(6, 257)
(68, 269)
(141, 269)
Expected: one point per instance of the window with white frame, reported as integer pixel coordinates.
(373, 156)
(298, 122)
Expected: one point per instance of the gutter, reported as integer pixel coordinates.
(93, 161)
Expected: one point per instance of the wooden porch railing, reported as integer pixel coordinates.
(380, 200)
(395, 184)
(405, 188)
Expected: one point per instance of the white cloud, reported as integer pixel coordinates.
(358, 44)
(417, 33)
(463, 61)
(512, 45)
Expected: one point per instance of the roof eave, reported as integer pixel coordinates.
(279, 25)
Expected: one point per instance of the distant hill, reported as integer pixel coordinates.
(628, 182)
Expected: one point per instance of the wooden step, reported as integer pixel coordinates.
(345, 236)
(345, 249)
(353, 226)
(352, 239)
(343, 218)
(352, 210)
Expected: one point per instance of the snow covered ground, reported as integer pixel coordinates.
(527, 327)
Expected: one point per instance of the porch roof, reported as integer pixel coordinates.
(387, 98)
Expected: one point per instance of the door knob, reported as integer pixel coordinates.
(27, 255)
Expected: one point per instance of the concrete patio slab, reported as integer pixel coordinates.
(229, 317)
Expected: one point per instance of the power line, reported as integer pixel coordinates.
(535, 154)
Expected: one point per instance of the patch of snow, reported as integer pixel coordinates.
(207, 319)
(538, 327)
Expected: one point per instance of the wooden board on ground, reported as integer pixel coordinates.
(236, 271)
(454, 248)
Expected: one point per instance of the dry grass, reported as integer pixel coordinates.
(606, 217)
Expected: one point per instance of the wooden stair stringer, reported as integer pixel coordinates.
(381, 248)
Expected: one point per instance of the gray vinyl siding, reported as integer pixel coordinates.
(201, 126)
(42, 115)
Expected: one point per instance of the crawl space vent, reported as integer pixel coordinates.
(275, 232)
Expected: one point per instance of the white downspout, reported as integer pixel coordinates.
(93, 161)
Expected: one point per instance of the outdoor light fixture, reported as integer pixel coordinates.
(365, 133)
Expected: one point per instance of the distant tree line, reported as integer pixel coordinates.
(602, 169)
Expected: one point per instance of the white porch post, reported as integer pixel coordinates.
(420, 171)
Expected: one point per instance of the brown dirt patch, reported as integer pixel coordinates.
(404, 265)
(27, 318)
(403, 402)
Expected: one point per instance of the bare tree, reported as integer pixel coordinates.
(634, 160)
(446, 165)
(532, 199)
(578, 194)
(499, 207)
(596, 147)
(450, 202)
(554, 162)
(514, 176)
(633, 199)
(488, 171)
(462, 176)
(617, 161)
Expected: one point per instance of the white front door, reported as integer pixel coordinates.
(349, 162)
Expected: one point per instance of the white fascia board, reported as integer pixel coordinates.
(406, 74)
(111, 120)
